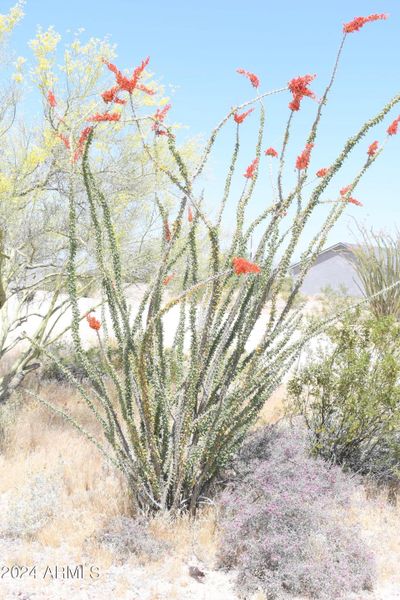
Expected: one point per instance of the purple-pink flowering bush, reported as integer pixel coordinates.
(282, 522)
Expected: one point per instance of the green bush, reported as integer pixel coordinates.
(378, 267)
(350, 396)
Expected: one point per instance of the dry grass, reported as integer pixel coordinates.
(380, 522)
(273, 409)
(90, 493)
(40, 443)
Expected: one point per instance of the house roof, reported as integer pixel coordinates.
(339, 247)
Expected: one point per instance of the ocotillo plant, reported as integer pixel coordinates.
(173, 416)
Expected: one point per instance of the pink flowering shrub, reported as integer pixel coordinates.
(282, 523)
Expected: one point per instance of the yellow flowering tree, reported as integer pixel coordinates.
(40, 165)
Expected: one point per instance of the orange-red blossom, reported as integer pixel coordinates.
(240, 117)
(254, 80)
(358, 22)
(241, 266)
(344, 191)
(93, 322)
(303, 159)
(271, 152)
(250, 171)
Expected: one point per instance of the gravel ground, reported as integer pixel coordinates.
(170, 579)
(156, 581)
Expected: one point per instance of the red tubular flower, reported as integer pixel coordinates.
(358, 22)
(81, 142)
(167, 232)
(111, 66)
(109, 95)
(322, 172)
(138, 72)
(145, 89)
(65, 140)
(190, 214)
(251, 169)
(241, 266)
(303, 159)
(93, 322)
(254, 80)
(159, 117)
(167, 279)
(97, 118)
(51, 99)
(130, 84)
(271, 152)
(239, 118)
(161, 113)
(393, 127)
(354, 201)
(373, 149)
(299, 88)
(345, 190)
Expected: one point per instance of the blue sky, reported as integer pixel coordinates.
(197, 47)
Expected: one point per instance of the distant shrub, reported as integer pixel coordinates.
(378, 267)
(350, 396)
(67, 357)
(281, 522)
(125, 536)
(31, 508)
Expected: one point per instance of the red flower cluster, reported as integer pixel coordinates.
(354, 201)
(51, 99)
(65, 140)
(373, 149)
(160, 114)
(239, 118)
(97, 118)
(190, 214)
(271, 152)
(167, 279)
(81, 142)
(130, 84)
(242, 266)
(392, 129)
(111, 96)
(299, 88)
(93, 322)
(251, 169)
(344, 191)
(303, 159)
(322, 172)
(254, 80)
(159, 117)
(358, 22)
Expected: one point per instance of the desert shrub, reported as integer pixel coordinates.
(378, 267)
(125, 536)
(350, 396)
(31, 507)
(282, 522)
